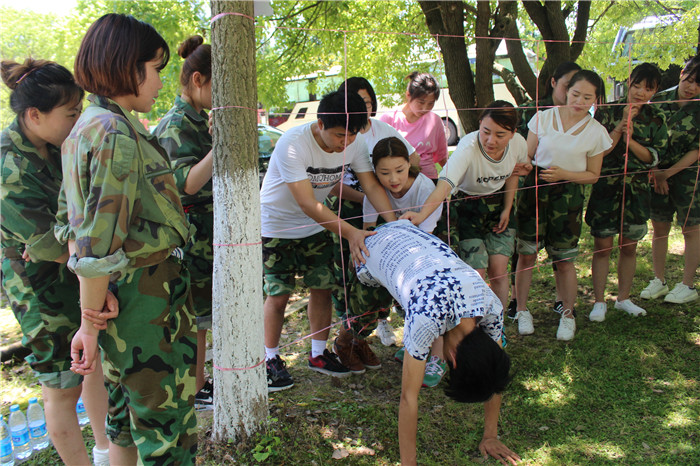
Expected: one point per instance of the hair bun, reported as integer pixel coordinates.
(12, 72)
(189, 45)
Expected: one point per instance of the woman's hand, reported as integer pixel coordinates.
(83, 351)
(99, 319)
(552, 174)
(502, 222)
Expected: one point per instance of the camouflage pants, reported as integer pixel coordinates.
(605, 206)
(199, 256)
(472, 220)
(44, 297)
(351, 212)
(284, 258)
(149, 355)
(551, 216)
(366, 305)
(683, 199)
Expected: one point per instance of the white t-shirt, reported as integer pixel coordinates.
(413, 200)
(565, 149)
(297, 156)
(469, 169)
(433, 285)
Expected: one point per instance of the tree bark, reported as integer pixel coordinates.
(485, 55)
(240, 404)
(511, 82)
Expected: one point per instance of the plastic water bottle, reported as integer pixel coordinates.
(6, 458)
(37, 425)
(20, 434)
(83, 418)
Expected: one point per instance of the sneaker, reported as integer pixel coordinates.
(386, 333)
(655, 289)
(434, 370)
(630, 308)
(348, 353)
(512, 309)
(525, 326)
(681, 293)
(598, 312)
(277, 376)
(567, 327)
(329, 364)
(100, 457)
(367, 356)
(558, 307)
(204, 399)
(398, 356)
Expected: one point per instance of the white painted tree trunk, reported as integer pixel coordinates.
(240, 401)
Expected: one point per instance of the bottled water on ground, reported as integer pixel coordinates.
(37, 425)
(6, 458)
(80, 411)
(20, 434)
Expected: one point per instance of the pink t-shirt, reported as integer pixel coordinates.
(427, 135)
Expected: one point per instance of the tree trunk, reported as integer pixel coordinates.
(485, 55)
(511, 82)
(516, 53)
(240, 404)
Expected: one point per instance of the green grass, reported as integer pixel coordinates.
(625, 391)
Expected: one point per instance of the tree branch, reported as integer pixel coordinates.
(610, 4)
(516, 53)
(511, 81)
(579, 40)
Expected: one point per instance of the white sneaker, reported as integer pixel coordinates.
(630, 308)
(100, 457)
(681, 293)
(598, 312)
(525, 326)
(567, 328)
(655, 289)
(386, 333)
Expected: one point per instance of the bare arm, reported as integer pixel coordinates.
(411, 381)
(532, 143)
(510, 187)
(376, 194)
(439, 194)
(589, 176)
(661, 176)
(199, 174)
(348, 193)
(490, 445)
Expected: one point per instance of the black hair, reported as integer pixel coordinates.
(197, 58)
(692, 69)
(422, 84)
(645, 73)
(393, 147)
(333, 112)
(592, 78)
(483, 369)
(39, 84)
(356, 84)
(503, 114)
(563, 69)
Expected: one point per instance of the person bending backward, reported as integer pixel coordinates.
(483, 172)
(407, 190)
(639, 136)
(567, 145)
(422, 127)
(125, 215)
(555, 96)
(307, 162)
(42, 292)
(441, 295)
(675, 186)
(184, 134)
(350, 209)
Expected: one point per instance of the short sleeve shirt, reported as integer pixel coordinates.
(433, 285)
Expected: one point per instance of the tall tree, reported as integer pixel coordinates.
(241, 395)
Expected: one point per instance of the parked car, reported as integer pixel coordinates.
(267, 140)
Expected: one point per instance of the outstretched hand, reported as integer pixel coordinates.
(500, 452)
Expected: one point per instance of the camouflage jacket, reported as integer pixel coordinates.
(683, 126)
(29, 197)
(528, 110)
(649, 130)
(184, 134)
(123, 207)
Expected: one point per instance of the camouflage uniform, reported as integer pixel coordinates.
(557, 220)
(125, 214)
(605, 203)
(529, 109)
(43, 294)
(683, 136)
(184, 134)
(366, 304)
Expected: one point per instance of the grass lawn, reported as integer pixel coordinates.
(624, 391)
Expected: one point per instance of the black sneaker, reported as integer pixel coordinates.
(558, 307)
(204, 399)
(277, 376)
(329, 364)
(512, 309)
